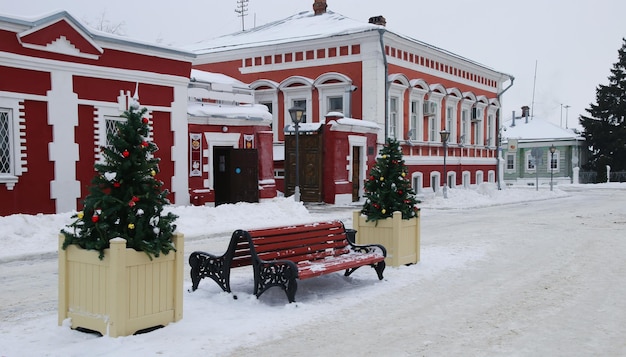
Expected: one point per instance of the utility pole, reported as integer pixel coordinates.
(242, 10)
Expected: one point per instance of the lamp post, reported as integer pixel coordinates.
(297, 115)
(552, 151)
(444, 139)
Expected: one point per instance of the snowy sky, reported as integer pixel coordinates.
(572, 44)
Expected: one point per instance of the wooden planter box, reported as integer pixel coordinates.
(124, 293)
(401, 237)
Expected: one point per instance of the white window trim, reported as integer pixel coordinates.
(397, 91)
(466, 179)
(269, 95)
(436, 176)
(17, 142)
(506, 161)
(417, 95)
(480, 177)
(466, 125)
(297, 93)
(529, 155)
(557, 159)
(435, 97)
(420, 176)
(452, 102)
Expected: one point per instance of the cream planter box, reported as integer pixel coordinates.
(123, 293)
(401, 237)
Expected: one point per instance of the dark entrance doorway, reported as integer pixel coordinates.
(310, 165)
(236, 175)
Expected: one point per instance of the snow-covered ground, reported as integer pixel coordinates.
(502, 272)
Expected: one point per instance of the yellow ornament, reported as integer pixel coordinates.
(152, 172)
(382, 178)
(383, 211)
(384, 156)
(131, 226)
(80, 215)
(403, 174)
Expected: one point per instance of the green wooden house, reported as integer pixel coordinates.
(537, 152)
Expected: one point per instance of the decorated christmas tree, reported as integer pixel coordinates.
(125, 199)
(388, 189)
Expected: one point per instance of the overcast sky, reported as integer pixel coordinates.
(572, 44)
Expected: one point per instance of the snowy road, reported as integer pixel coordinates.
(543, 278)
(551, 283)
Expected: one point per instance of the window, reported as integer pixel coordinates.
(553, 159)
(417, 182)
(465, 123)
(510, 162)
(435, 181)
(530, 162)
(335, 104)
(490, 130)
(111, 128)
(449, 118)
(6, 164)
(279, 174)
(432, 129)
(413, 124)
(393, 117)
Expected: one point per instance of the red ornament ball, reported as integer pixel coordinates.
(125, 153)
(135, 199)
(95, 218)
(116, 185)
(144, 120)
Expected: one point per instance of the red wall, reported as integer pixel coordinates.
(31, 194)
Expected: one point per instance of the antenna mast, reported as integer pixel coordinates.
(532, 105)
(242, 10)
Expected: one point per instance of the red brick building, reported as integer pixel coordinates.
(62, 88)
(327, 62)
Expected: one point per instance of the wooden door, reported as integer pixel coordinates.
(310, 165)
(236, 175)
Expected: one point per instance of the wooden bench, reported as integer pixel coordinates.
(281, 255)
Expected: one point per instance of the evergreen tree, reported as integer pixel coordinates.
(388, 189)
(125, 200)
(605, 129)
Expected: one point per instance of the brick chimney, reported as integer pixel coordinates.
(378, 20)
(319, 7)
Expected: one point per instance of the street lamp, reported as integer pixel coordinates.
(552, 151)
(445, 135)
(297, 114)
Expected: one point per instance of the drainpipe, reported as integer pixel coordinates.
(382, 49)
(498, 125)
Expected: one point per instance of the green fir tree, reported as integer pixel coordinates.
(388, 189)
(605, 128)
(125, 199)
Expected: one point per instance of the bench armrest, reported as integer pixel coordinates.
(368, 248)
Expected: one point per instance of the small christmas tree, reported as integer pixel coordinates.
(387, 189)
(125, 199)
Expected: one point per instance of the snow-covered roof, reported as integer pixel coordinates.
(302, 127)
(536, 129)
(302, 26)
(246, 111)
(211, 77)
(91, 32)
